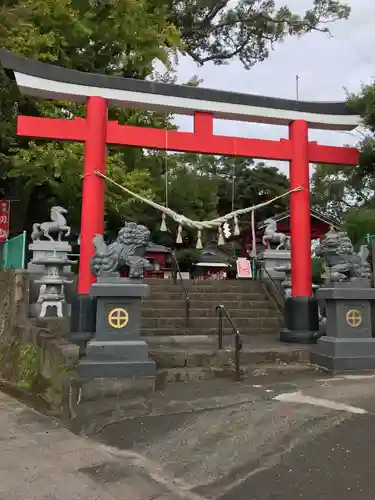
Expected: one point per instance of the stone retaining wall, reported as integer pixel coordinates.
(12, 301)
(34, 353)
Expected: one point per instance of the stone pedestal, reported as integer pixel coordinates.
(348, 344)
(272, 259)
(94, 403)
(301, 320)
(116, 350)
(43, 249)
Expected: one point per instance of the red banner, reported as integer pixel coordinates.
(4, 219)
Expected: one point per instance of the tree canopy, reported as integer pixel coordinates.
(221, 30)
(119, 38)
(349, 193)
(124, 38)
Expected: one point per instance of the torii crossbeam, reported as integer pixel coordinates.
(100, 91)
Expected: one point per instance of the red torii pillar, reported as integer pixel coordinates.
(300, 221)
(97, 132)
(93, 187)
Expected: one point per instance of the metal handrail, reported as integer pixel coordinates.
(271, 279)
(177, 272)
(221, 312)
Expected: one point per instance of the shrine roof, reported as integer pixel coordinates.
(316, 214)
(214, 255)
(154, 248)
(55, 82)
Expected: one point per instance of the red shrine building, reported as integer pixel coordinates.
(320, 224)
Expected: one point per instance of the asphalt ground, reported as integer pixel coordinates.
(297, 437)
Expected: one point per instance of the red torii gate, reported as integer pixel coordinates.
(98, 91)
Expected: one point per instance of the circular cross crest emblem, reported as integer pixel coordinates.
(354, 318)
(118, 318)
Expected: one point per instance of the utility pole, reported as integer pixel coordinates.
(297, 87)
(233, 199)
(233, 184)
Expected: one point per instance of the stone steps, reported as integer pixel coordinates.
(181, 359)
(167, 357)
(198, 312)
(185, 374)
(183, 331)
(205, 284)
(205, 290)
(191, 353)
(208, 295)
(206, 323)
(206, 303)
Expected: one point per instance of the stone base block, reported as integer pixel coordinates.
(297, 336)
(90, 369)
(80, 339)
(301, 320)
(108, 387)
(338, 355)
(272, 259)
(82, 320)
(93, 403)
(133, 350)
(116, 359)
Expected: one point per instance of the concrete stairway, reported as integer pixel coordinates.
(192, 353)
(249, 306)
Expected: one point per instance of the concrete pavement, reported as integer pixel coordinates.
(307, 438)
(271, 437)
(41, 460)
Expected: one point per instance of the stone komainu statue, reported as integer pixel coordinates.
(125, 252)
(342, 263)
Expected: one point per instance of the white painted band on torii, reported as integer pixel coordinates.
(40, 87)
(54, 82)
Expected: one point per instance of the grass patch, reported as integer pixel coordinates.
(19, 365)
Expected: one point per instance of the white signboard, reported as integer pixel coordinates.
(244, 268)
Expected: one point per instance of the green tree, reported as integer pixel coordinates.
(253, 184)
(336, 189)
(221, 30)
(120, 38)
(349, 193)
(204, 189)
(206, 183)
(364, 104)
(124, 38)
(193, 193)
(358, 223)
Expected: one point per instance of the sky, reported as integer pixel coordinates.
(326, 66)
